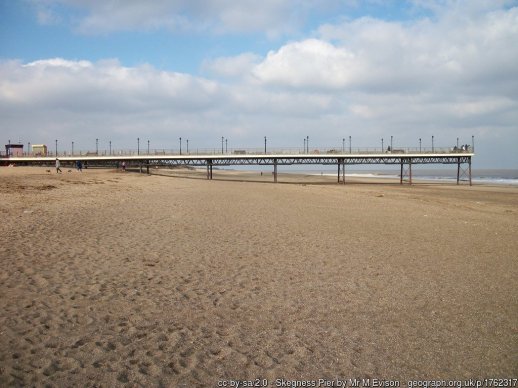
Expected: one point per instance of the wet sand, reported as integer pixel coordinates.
(114, 279)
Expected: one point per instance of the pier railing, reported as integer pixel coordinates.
(249, 151)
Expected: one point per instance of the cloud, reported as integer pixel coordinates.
(273, 17)
(463, 49)
(81, 99)
(57, 82)
(231, 67)
(452, 74)
(308, 64)
(370, 55)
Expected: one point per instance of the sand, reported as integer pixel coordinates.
(123, 279)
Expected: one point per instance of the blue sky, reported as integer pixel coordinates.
(24, 38)
(77, 70)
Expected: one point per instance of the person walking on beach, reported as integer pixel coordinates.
(79, 166)
(58, 169)
(123, 166)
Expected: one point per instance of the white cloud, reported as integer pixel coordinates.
(57, 82)
(62, 97)
(231, 67)
(312, 63)
(362, 110)
(450, 75)
(273, 17)
(455, 51)
(474, 56)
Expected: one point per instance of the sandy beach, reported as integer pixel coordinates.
(124, 279)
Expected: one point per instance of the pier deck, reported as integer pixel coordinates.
(341, 160)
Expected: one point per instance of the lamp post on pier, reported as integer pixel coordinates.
(265, 145)
(72, 148)
(226, 145)
(56, 148)
(28, 148)
(180, 145)
(138, 145)
(391, 146)
(147, 147)
(304, 145)
(419, 144)
(457, 143)
(350, 142)
(187, 146)
(222, 138)
(432, 144)
(343, 145)
(110, 147)
(97, 146)
(307, 143)
(381, 144)
(472, 143)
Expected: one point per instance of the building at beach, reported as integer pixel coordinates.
(14, 149)
(39, 150)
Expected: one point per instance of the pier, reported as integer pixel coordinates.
(405, 159)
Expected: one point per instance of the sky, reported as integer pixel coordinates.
(118, 70)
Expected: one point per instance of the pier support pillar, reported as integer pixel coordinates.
(147, 167)
(469, 162)
(343, 171)
(406, 172)
(410, 171)
(458, 170)
(338, 170)
(209, 169)
(464, 173)
(140, 166)
(275, 170)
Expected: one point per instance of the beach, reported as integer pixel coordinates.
(126, 279)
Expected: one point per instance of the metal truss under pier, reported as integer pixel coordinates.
(461, 159)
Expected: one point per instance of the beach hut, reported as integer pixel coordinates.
(39, 150)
